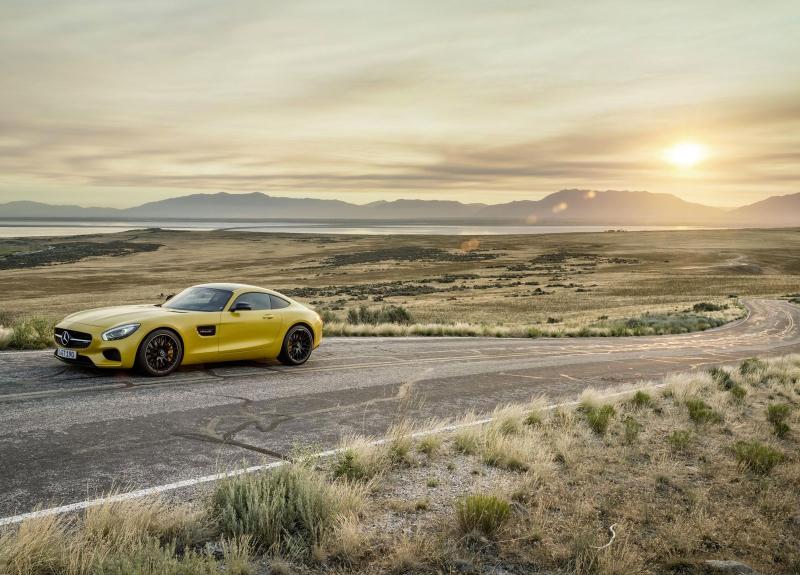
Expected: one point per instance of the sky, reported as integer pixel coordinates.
(115, 103)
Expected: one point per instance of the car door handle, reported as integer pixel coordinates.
(269, 316)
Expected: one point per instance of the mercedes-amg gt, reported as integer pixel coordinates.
(202, 324)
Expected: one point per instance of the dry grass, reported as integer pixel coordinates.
(609, 284)
(648, 324)
(535, 487)
(125, 537)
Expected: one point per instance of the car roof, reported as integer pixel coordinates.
(236, 287)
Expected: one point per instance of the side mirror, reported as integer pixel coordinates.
(169, 297)
(241, 306)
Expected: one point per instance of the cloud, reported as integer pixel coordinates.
(477, 101)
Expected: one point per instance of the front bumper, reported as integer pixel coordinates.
(120, 354)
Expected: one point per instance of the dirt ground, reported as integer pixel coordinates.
(570, 279)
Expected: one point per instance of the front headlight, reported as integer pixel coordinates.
(120, 332)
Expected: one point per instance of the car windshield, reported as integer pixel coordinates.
(200, 299)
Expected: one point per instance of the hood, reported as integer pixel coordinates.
(113, 316)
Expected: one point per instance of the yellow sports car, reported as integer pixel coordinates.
(202, 324)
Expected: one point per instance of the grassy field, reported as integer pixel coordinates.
(611, 283)
(661, 479)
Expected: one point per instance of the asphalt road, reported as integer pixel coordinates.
(68, 434)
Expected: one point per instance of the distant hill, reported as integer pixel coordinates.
(774, 211)
(609, 207)
(567, 207)
(241, 206)
(25, 209)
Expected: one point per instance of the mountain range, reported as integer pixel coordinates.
(566, 207)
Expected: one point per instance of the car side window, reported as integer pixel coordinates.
(278, 302)
(256, 300)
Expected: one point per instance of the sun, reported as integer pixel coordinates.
(686, 154)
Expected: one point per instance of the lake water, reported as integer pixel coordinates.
(33, 228)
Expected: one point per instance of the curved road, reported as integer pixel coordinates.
(68, 434)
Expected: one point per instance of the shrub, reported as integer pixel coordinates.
(386, 314)
(31, 333)
(485, 514)
(738, 392)
(660, 324)
(507, 420)
(328, 316)
(506, 452)
(756, 456)
(400, 451)
(360, 461)
(467, 441)
(154, 559)
(429, 444)
(290, 509)
(532, 419)
(722, 378)
(599, 418)
(679, 439)
(632, 429)
(641, 399)
(751, 365)
(777, 414)
(700, 412)
(707, 306)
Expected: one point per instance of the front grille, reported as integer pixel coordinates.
(74, 339)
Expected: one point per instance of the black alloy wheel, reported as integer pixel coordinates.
(160, 353)
(297, 346)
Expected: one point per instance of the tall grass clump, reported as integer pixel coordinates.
(429, 445)
(641, 399)
(700, 412)
(679, 440)
(598, 416)
(400, 444)
(752, 366)
(467, 440)
(286, 511)
(138, 537)
(777, 414)
(34, 548)
(757, 457)
(360, 460)
(506, 452)
(386, 314)
(722, 378)
(482, 513)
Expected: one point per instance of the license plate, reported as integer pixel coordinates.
(67, 353)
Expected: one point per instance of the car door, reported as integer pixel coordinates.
(200, 336)
(249, 327)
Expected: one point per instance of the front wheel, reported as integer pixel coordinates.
(297, 346)
(160, 353)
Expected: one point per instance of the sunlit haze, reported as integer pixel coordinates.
(686, 154)
(116, 103)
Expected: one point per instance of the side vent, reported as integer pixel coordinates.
(207, 330)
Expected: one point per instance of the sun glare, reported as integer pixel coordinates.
(686, 154)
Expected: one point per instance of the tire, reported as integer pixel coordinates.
(297, 346)
(160, 353)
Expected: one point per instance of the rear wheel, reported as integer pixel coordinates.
(160, 353)
(297, 346)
